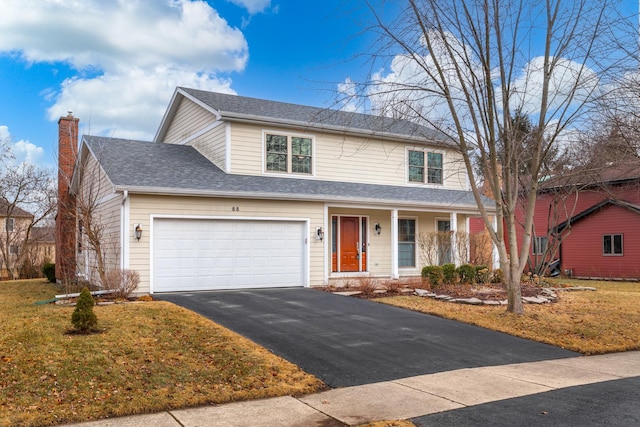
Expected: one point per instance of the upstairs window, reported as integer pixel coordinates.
(425, 167)
(288, 154)
(612, 244)
(9, 224)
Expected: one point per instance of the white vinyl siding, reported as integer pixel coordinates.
(142, 207)
(341, 158)
(188, 120)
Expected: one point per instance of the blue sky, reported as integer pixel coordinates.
(115, 63)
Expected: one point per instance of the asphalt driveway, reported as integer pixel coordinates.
(348, 341)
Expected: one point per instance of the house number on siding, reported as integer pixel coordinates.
(235, 209)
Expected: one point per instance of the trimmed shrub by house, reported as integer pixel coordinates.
(483, 274)
(49, 271)
(84, 320)
(467, 274)
(450, 274)
(434, 274)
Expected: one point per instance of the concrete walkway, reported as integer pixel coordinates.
(407, 398)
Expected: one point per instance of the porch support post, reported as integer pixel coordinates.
(453, 221)
(394, 245)
(495, 257)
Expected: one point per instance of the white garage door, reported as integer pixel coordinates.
(199, 254)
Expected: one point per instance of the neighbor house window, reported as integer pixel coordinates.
(13, 249)
(288, 154)
(9, 223)
(425, 167)
(539, 245)
(406, 242)
(612, 244)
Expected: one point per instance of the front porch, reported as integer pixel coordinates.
(392, 242)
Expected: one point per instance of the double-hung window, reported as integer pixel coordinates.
(288, 154)
(406, 242)
(612, 244)
(425, 167)
(9, 224)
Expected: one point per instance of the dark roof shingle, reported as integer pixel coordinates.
(234, 106)
(178, 169)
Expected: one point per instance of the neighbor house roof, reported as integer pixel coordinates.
(159, 168)
(595, 208)
(16, 212)
(253, 110)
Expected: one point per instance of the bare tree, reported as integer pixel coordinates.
(27, 198)
(98, 239)
(467, 68)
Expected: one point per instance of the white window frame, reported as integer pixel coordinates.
(415, 242)
(425, 180)
(289, 136)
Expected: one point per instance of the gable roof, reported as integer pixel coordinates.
(595, 208)
(16, 211)
(159, 168)
(253, 110)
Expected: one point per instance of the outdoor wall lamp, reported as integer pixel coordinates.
(319, 233)
(377, 228)
(137, 231)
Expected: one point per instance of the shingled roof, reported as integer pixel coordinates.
(159, 168)
(241, 108)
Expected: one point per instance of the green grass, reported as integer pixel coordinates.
(152, 356)
(588, 322)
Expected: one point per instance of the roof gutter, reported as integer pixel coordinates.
(468, 208)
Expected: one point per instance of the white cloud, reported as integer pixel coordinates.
(349, 100)
(406, 89)
(129, 102)
(253, 6)
(21, 151)
(130, 55)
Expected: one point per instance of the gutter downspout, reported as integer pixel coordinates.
(124, 234)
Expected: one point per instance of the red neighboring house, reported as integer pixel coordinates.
(592, 228)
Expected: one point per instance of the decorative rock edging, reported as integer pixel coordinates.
(546, 296)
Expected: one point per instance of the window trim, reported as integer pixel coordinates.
(415, 242)
(535, 245)
(289, 136)
(425, 172)
(612, 236)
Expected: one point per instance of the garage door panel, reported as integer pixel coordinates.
(226, 254)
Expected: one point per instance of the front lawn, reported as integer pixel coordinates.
(607, 320)
(152, 356)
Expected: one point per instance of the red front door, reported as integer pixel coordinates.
(349, 241)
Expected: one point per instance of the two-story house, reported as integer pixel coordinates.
(13, 234)
(237, 192)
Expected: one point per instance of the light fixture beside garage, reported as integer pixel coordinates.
(319, 233)
(137, 231)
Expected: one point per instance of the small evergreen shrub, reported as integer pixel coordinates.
(49, 271)
(84, 320)
(434, 274)
(450, 274)
(467, 274)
